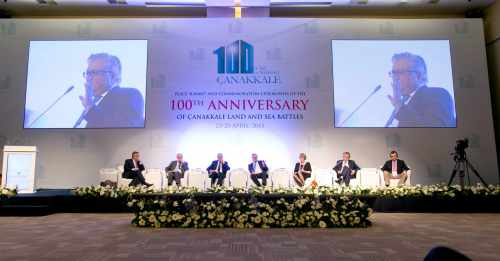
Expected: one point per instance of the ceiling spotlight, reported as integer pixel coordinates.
(361, 2)
(46, 2)
(117, 2)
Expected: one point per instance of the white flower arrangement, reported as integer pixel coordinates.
(245, 212)
(265, 207)
(110, 192)
(6, 192)
(440, 191)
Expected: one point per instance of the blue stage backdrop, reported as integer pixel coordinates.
(276, 87)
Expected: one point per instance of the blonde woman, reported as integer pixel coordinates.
(302, 170)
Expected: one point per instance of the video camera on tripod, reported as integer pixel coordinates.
(462, 164)
(460, 148)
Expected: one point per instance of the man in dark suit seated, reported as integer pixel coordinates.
(217, 170)
(258, 170)
(346, 169)
(395, 169)
(106, 104)
(133, 168)
(176, 169)
(416, 104)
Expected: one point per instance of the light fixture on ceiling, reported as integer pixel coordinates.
(175, 3)
(117, 2)
(46, 2)
(298, 3)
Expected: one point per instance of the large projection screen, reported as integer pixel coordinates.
(393, 83)
(86, 84)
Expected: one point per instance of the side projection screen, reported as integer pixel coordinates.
(86, 84)
(393, 83)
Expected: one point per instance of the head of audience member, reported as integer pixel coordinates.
(254, 157)
(179, 157)
(136, 156)
(302, 157)
(409, 72)
(103, 72)
(346, 155)
(393, 155)
(220, 157)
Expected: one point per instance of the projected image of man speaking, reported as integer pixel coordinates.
(393, 83)
(105, 103)
(415, 104)
(111, 93)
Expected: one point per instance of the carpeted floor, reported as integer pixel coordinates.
(393, 236)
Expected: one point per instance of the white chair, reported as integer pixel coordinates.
(121, 181)
(184, 181)
(110, 174)
(280, 178)
(394, 182)
(155, 177)
(369, 177)
(238, 178)
(196, 178)
(324, 177)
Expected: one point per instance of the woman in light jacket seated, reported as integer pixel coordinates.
(302, 170)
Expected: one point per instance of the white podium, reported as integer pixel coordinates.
(19, 168)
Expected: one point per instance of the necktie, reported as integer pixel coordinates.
(393, 115)
(255, 167)
(220, 167)
(97, 99)
(394, 166)
(135, 164)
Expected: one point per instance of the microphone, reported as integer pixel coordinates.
(361, 104)
(51, 105)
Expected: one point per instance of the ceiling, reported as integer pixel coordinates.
(278, 8)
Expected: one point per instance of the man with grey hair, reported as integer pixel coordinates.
(258, 170)
(416, 104)
(217, 170)
(176, 169)
(106, 104)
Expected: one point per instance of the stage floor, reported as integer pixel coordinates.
(393, 236)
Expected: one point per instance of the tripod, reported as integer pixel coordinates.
(462, 166)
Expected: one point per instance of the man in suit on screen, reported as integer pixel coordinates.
(133, 168)
(107, 104)
(416, 104)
